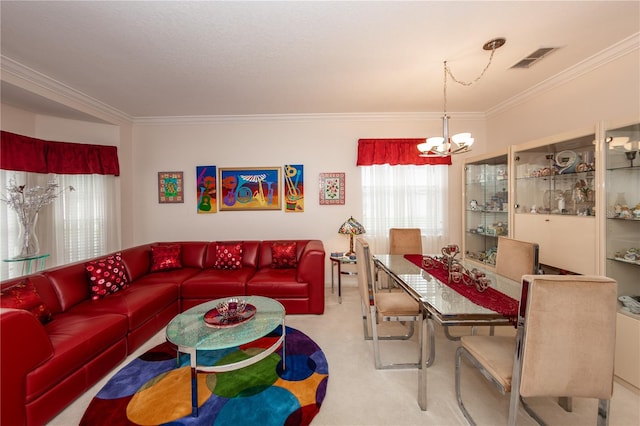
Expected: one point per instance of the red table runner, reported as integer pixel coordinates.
(490, 298)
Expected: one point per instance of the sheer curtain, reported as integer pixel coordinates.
(405, 196)
(77, 225)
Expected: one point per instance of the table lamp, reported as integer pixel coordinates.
(351, 227)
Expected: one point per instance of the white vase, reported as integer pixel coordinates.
(27, 245)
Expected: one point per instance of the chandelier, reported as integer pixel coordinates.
(444, 146)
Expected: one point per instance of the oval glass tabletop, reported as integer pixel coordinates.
(189, 330)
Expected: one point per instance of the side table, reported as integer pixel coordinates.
(339, 261)
(29, 262)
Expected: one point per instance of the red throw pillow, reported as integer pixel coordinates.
(166, 256)
(228, 256)
(106, 276)
(24, 295)
(283, 255)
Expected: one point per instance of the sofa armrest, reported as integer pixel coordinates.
(311, 270)
(25, 345)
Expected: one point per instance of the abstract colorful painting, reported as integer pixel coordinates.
(251, 188)
(206, 189)
(331, 188)
(293, 188)
(170, 187)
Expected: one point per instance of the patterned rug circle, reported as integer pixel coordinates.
(155, 388)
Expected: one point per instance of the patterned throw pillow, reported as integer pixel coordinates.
(24, 295)
(106, 276)
(165, 257)
(228, 256)
(283, 255)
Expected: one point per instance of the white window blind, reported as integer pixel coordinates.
(405, 196)
(78, 225)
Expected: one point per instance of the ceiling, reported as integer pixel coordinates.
(213, 58)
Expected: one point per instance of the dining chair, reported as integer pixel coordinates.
(401, 241)
(513, 260)
(405, 241)
(395, 306)
(516, 258)
(564, 346)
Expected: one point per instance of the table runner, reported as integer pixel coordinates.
(490, 298)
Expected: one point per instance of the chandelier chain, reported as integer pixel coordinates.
(469, 83)
(447, 71)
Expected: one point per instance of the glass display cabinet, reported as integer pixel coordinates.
(557, 179)
(555, 201)
(623, 208)
(622, 234)
(486, 206)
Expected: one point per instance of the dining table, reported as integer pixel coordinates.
(449, 303)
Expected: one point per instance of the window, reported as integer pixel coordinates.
(405, 196)
(78, 225)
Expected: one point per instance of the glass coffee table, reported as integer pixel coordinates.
(189, 332)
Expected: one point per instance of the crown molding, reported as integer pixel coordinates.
(369, 116)
(39, 83)
(29, 79)
(592, 63)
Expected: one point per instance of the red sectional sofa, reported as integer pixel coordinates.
(44, 367)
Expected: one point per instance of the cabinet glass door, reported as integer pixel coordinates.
(557, 178)
(486, 207)
(623, 209)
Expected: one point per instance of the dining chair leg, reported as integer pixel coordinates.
(603, 412)
(467, 415)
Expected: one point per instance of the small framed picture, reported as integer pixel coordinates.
(332, 188)
(170, 187)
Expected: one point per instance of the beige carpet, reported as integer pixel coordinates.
(358, 394)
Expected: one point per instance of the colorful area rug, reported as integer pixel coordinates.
(153, 390)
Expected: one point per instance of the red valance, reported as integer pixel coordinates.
(394, 152)
(26, 154)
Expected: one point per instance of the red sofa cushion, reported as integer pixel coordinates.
(271, 282)
(216, 283)
(228, 256)
(249, 253)
(76, 339)
(166, 256)
(24, 295)
(284, 254)
(265, 257)
(139, 302)
(106, 276)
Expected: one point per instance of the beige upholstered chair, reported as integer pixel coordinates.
(405, 241)
(564, 346)
(401, 241)
(384, 306)
(516, 258)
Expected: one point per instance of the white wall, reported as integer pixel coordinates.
(320, 143)
(17, 121)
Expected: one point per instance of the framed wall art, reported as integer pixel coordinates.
(293, 188)
(332, 188)
(206, 189)
(170, 187)
(250, 188)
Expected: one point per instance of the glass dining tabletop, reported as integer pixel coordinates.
(446, 304)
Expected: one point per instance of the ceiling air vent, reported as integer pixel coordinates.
(534, 57)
